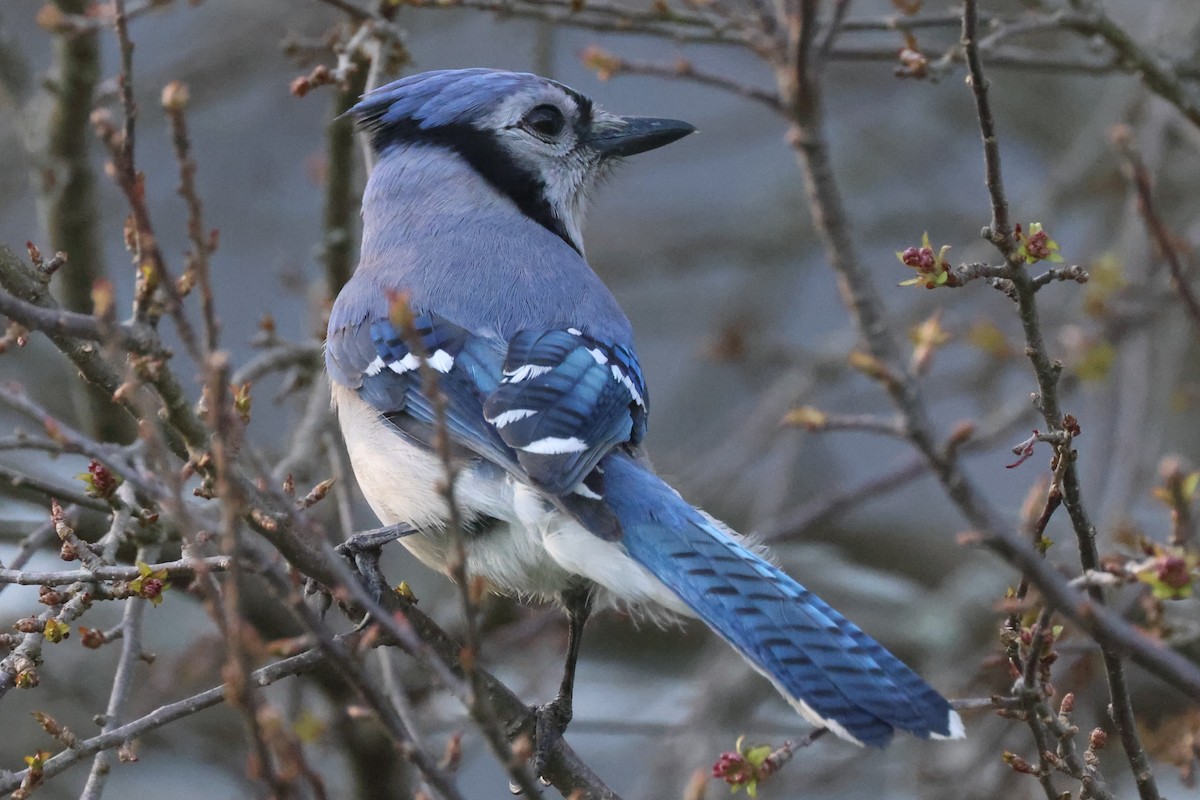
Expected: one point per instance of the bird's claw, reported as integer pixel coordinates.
(550, 722)
(324, 598)
(514, 788)
(363, 551)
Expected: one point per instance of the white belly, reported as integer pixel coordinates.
(534, 550)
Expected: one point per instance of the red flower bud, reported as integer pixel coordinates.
(151, 588)
(1173, 571)
(732, 768)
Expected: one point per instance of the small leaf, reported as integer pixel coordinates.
(757, 755)
(807, 417)
(870, 366)
(56, 630)
(1189, 485)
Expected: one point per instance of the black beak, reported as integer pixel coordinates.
(639, 134)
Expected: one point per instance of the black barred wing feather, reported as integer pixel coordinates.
(550, 404)
(377, 360)
(565, 400)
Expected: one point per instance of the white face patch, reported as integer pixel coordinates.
(566, 169)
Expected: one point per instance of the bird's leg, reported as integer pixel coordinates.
(362, 550)
(552, 718)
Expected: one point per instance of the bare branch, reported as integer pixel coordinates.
(1163, 240)
(176, 570)
(1001, 235)
(131, 652)
(203, 242)
(162, 716)
(47, 488)
(1090, 19)
(609, 65)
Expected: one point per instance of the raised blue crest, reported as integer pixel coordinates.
(445, 97)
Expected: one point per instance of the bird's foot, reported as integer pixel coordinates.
(550, 721)
(324, 598)
(363, 551)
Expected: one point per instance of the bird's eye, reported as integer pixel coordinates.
(546, 121)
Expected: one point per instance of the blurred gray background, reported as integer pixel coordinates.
(709, 247)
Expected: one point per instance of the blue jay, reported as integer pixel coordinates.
(473, 214)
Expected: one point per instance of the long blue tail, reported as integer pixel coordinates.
(831, 671)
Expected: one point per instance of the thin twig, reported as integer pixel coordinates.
(38, 538)
(131, 652)
(1000, 231)
(609, 65)
(1001, 235)
(161, 716)
(1164, 242)
(833, 28)
(152, 274)
(278, 357)
(176, 570)
(339, 217)
(60, 322)
(480, 704)
(203, 242)
(351, 670)
(184, 428)
(820, 421)
(228, 434)
(398, 628)
(48, 488)
(1156, 73)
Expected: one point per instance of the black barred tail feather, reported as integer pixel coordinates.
(827, 668)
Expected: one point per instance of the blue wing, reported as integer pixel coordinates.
(547, 405)
(565, 399)
(374, 358)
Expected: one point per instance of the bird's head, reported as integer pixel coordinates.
(540, 143)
